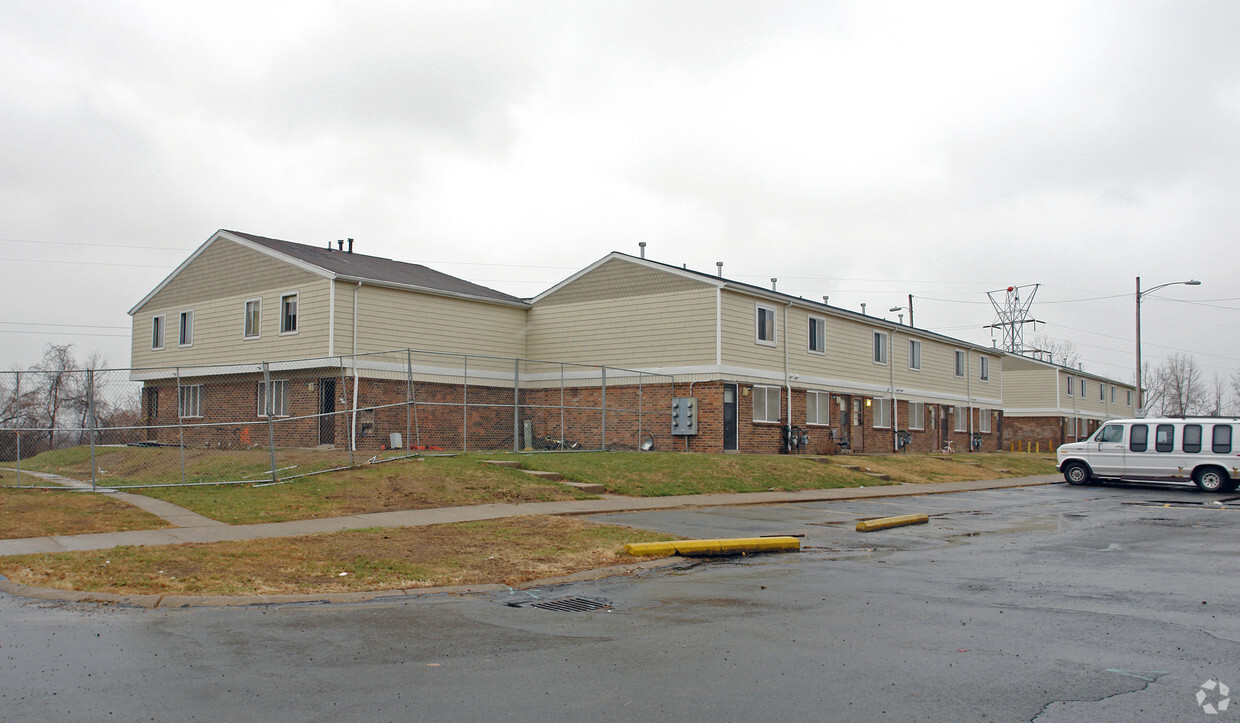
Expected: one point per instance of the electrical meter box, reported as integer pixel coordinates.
(684, 416)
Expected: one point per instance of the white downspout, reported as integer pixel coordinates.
(331, 318)
(968, 393)
(787, 379)
(895, 419)
(353, 423)
(719, 327)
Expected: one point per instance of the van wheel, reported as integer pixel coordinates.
(1213, 479)
(1076, 473)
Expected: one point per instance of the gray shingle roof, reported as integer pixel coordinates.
(377, 269)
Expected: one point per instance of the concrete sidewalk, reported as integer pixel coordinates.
(192, 527)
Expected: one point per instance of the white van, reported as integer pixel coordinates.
(1203, 449)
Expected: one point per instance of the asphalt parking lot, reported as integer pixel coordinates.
(1049, 603)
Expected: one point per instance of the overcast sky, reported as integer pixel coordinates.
(862, 150)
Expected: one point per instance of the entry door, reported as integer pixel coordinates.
(729, 418)
(327, 408)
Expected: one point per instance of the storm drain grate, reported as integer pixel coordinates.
(565, 605)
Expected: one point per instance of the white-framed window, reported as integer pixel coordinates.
(279, 398)
(766, 401)
(186, 333)
(961, 416)
(818, 408)
(1102, 392)
(253, 318)
(817, 335)
(960, 363)
(1071, 383)
(983, 368)
(1112, 394)
(157, 331)
(882, 413)
(764, 332)
(914, 354)
(880, 347)
(288, 314)
(983, 421)
(1084, 386)
(916, 415)
(189, 401)
(1129, 402)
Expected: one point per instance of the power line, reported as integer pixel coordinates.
(52, 323)
(90, 263)
(94, 245)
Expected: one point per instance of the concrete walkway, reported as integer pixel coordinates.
(192, 527)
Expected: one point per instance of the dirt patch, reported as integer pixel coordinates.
(38, 513)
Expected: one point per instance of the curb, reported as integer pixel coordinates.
(151, 602)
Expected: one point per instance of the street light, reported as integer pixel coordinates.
(909, 307)
(1140, 293)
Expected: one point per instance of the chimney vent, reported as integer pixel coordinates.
(863, 308)
(350, 245)
(340, 244)
(642, 246)
(774, 280)
(719, 269)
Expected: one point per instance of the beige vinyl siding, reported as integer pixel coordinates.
(400, 319)
(620, 279)
(654, 330)
(216, 286)
(740, 328)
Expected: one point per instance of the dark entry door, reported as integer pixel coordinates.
(729, 418)
(327, 408)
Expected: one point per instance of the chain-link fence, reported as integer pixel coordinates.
(268, 422)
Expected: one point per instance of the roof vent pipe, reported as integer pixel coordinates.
(826, 300)
(350, 245)
(773, 282)
(340, 244)
(719, 269)
(863, 308)
(642, 245)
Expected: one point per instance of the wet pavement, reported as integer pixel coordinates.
(1049, 603)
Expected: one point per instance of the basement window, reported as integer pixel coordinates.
(279, 398)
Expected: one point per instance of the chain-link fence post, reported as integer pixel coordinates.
(343, 394)
(17, 399)
(408, 401)
(640, 376)
(180, 425)
(465, 403)
(603, 402)
(269, 407)
(90, 426)
(516, 404)
(562, 437)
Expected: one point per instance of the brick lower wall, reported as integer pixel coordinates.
(1044, 434)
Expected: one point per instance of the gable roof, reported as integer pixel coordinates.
(350, 267)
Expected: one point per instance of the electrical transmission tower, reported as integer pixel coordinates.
(1011, 315)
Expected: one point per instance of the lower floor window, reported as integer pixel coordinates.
(983, 421)
(916, 415)
(279, 398)
(190, 401)
(766, 404)
(882, 413)
(962, 419)
(817, 408)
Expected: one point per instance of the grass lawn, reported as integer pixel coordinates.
(508, 551)
(38, 513)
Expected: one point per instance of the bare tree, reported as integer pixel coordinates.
(1155, 391)
(1184, 392)
(58, 386)
(1220, 404)
(1058, 351)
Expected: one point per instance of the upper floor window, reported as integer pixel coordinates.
(914, 354)
(817, 408)
(1102, 392)
(157, 331)
(1112, 394)
(983, 368)
(1129, 402)
(1071, 383)
(186, 329)
(1084, 386)
(817, 335)
(880, 347)
(253, 318)
(765, 333)
(288, 314)
(960, 363)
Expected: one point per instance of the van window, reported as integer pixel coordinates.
(1222, 439)
(1164, 437)
(1111, 433)
(1192, 438)
(1138, 438)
